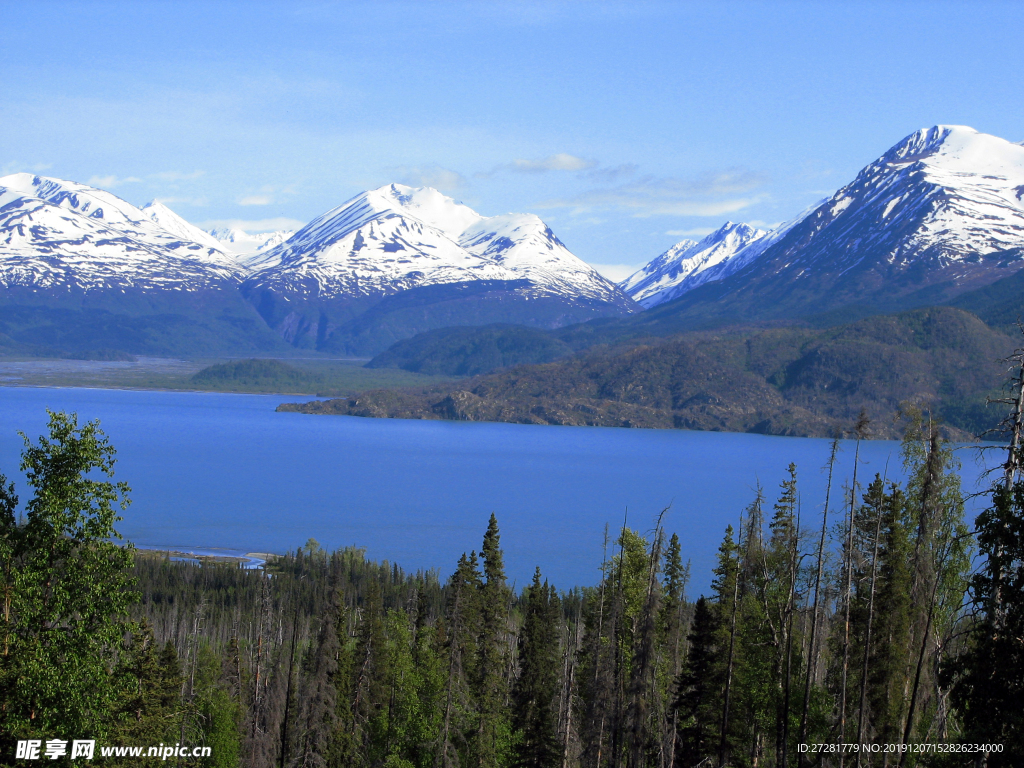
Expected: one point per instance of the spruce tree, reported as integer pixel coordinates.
(150, 711)
(699, 686)
(492, 694)
(534, 715)
(988, 678)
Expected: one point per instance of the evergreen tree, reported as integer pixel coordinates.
(492, 689)
(726, 587)
(700, 687)
(534, 715)
(462, 633)
(988, 678)
(151, 709)
(672, 639)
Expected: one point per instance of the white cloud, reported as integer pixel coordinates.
(616, 272)
(254, 225)
(18, 167)
(434, 176)
(110, 182)
(714, 194)
(176, 175)
(563, 161)
(560, 162)
(697, 232)
(256, 200)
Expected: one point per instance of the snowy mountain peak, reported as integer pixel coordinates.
(398, 237)
(426, 204)
(688, 263)
(61, 235)
(958, 148)
(69, 195)
(173, 223)
(242, 243)
(924, 142)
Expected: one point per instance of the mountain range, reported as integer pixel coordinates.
(387, 264)
(936, 219)
(398, 260)
(940, 213)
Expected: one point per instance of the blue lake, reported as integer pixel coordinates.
(217, 470)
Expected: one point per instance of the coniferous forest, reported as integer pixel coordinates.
(875, 616)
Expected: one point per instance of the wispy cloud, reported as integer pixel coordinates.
(696, 232)
(256, 200)
(176, 175)
(612, 175)
(562, 161)
(267, 194)
(714, 194)
(111, 182)
(434, 176)
(254, 225)
(17, 167)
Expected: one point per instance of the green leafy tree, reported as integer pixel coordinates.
(67, 590)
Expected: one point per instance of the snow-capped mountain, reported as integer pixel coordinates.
(677, 270)
(171, 222)
(398, 260)
(944, 197)
(243, 243)
(60, 235)
(397, 237)
(689, 264)
(940, 213)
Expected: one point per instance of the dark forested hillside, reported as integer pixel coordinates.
(785, 381)
(468, 351)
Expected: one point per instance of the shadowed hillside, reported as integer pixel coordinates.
(781, 381)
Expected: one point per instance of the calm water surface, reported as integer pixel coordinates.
(218, 470)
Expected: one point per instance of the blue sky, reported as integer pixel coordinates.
(625, 126)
